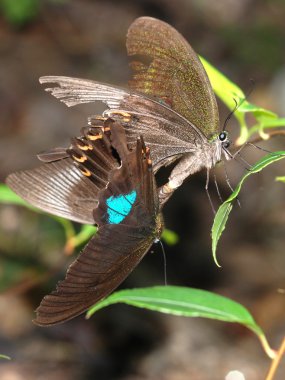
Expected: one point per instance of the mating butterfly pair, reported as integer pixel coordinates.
(172, 105)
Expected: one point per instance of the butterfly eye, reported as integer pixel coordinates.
(223, 136)
(226, 144)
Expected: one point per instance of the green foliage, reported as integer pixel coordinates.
(19, 12)
(5, 357)
(180, 301)
(218, 226)
(229, 92)
(73, 239)
(280, 179)
(7, 196)
(224, 210)
(170, 237)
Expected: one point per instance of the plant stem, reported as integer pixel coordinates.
(69, 234)
(272, 354)
(270, 134)
(276, 361)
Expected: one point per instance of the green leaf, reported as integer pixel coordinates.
(19, 12)
(170, 237)
(280, 179)
(224, 210)
(224, 88)
(73, 240)
(8, 196)
(266, 123)
(187, 302)
(257, 111)
(5, 357)
(219, 226)
(229, 92)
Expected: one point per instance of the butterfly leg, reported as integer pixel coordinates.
(189, 164)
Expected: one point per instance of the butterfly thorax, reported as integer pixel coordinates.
(206, 156)
(212, 153)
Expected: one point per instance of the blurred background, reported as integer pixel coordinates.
(245, 39)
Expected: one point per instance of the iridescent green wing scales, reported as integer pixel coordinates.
(174, 73)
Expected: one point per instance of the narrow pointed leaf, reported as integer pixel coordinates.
(187, 302)
(280, 179)
(219, 226)
(5, 357)
(225, 209)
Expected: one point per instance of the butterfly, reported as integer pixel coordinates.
(129, 221)
(170, 102)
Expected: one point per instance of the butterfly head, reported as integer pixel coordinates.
(224, 139)
(218, 144)
(225, 142)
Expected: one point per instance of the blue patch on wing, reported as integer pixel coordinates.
(119, 207)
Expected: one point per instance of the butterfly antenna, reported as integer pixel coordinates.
(207, 192)
(237, 105)
(164, 260)
(231, 113)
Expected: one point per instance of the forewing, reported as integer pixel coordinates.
(174, 74)
(73, 91)
(166, 133)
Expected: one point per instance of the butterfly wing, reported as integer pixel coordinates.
(57, 188)
(166, 133)
(73, 91)
(174, 74)
(104, 263)
(67, 185)
(127, 215)
(52, 155)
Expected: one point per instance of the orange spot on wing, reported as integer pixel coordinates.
(94, 137)
(85, 172)
(79, 159)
